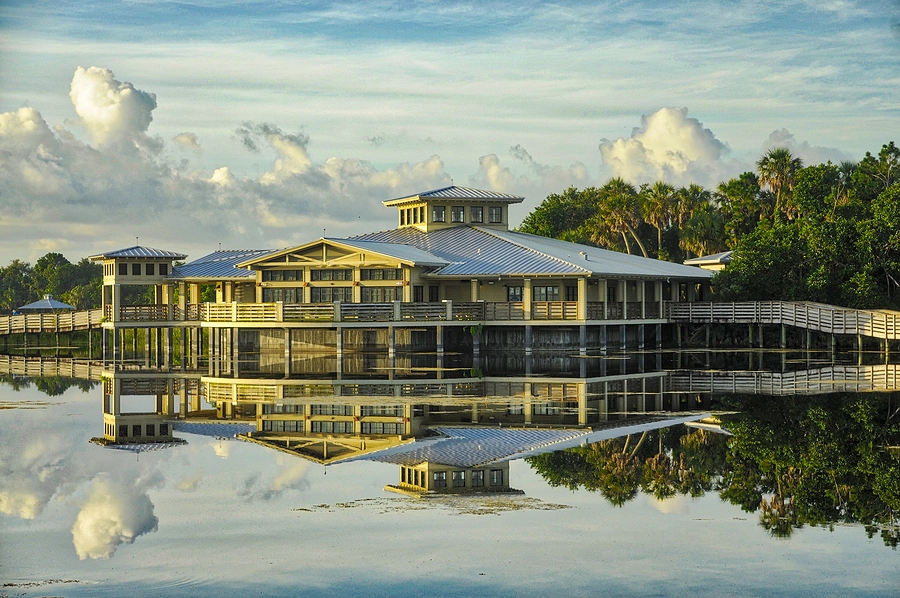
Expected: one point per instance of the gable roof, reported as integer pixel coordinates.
(138, 251)
(460, 193)
(475, 251)
(409, 254)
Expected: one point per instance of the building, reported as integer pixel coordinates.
(450, 266)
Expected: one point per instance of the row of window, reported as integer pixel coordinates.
(137, 269)
(415, 477)
(332, 274)
(541, 293)
(416, 215)
(340, 427)
(150, 430)
(335, 409)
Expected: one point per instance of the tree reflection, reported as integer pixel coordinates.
(794, 461)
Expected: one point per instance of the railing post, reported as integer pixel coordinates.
(337, 311)
(396, 313)
(234, 311)
(448, 303)
(279, 311)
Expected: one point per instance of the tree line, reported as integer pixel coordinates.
(825, 232)
(78, 284)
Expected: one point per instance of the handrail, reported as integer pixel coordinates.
(820, 317)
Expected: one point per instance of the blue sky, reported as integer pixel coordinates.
(353, 103)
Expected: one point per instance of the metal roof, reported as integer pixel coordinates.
(139, 251)
(474, 251)
(474, 447)
(724, 257)
(219, 265)
(455, 192)
(48, 302)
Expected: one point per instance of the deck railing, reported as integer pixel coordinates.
(59, 322)
(813, 316)
(838, 378)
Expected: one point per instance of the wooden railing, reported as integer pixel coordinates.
(38, 367)
(60, 322)
(813, 316)
(554, 310)
(838, 378)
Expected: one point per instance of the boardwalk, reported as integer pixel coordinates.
(819, 317)
(836, 378)
(61, 322)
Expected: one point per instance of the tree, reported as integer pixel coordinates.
(618, 213)
(777, 169)
(656, 208)
(743, 205)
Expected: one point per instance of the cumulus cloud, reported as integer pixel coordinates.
(810, 154)
(292, 475)
(109, 109)
(667, 146)
(187, 141)
(116, 512)
(58, 187)
(31, 468)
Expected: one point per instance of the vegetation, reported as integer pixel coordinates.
(795, 461)
(76, 284)
(825, 232)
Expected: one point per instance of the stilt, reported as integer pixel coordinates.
(783, 336)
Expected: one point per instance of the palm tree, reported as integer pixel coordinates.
(777, 170)
(618, 213)
(704, 232)
(656, 208)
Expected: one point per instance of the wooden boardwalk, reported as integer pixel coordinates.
(881, 324)
(836, 378)
(61, 322)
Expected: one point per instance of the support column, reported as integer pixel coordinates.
(235, 352)
(526, 299)
(339, 347)
(582, 340)
(529, 340)
(783, 336)
(582, 300)
(287, 352)
(603, 290)
(474, 290)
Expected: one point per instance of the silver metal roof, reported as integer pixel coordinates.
(455, 192)
(473, 251)
(48, 302)
(219, 265)
(724, 257)
(473, 447)
(139, 251)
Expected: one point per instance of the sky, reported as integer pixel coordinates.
(186, 125)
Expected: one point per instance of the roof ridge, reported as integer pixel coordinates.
(496, 234)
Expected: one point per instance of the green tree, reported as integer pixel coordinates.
(777, 169)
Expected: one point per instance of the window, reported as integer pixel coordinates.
(135, 430)
(282, 408)
(135, 269)
(285, 295)
(402, 217)
(495, 214)
(496, 477)
(440, 479)
(383, 410)
(282, 275)
(381, 274)
(163, 429)
(123, 269)
(514, 293)
(330, 294)
(438, 214)
(344, 274)
(419, 294)
(517, 409)
(123, 431)
(434, 294)
(476, 214)
(457, 214)
(381, 294)
(164, 269)
(331, 409)
(282, 425)
(150, 269)
(335, 427)
(571, 293)
(381, 428)
(151, 430)
(546, 293)
(421, 213)
(477, 479)
(459, 479)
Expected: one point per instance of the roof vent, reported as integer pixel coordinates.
(583, 254)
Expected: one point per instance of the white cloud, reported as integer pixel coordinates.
(110, 110)
(187, 141)
(292, 475)
(31, 471)
(668, 146)
(116, 512)
(810, 154)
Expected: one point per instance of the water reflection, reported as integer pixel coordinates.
(792, 446)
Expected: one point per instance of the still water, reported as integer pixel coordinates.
(681, 473)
